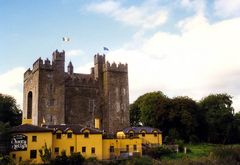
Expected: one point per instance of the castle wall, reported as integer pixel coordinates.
(82, 104)
(66, 97)
(31, 84)
(116, 113)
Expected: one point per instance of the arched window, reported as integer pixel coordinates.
(29, 105)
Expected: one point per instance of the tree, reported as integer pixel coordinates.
(218, 112)
(183, 118)
(45, 154)
(151, 109)
(9, 111)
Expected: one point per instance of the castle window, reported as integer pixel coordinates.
(14, 156)
(135, 147)
(86, 135)
(58, 135)
(143, 134)
(111, 149)
(29, 105)
(83, 149)
(20, 159)
(71, 149)
(33, 154)
(127, 148)
(155, 134)
(51, 102)
(93, 150)
(56, 150)
(34, 138)
(69, 135)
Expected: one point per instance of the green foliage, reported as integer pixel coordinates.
(9, 111)
(6, 160)
(158, 152)
(45, 154)
(76, 159)
(140, 161)
(211, 120)
(219, 116)
(73, 159)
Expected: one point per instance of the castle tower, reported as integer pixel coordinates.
(31, 92)
(44, 91)
(116, 95)
(70, 68)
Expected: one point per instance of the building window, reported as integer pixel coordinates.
(86, 135)
(33, 154)
(83, 149)
(51, 102)
(56, 150)
(20, 159)
(130, 134)
(93, 150)
(69, 135)
(143, 134)
(111, 149)
(71, 149)
(14, 156)
(135, 147)
(155, 134)
(34, 138)
(58, 135)
(127, 147)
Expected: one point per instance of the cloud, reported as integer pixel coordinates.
(200, 60)
(197, 5)
(74, 53)
(148, 15)
(11, 83)
(227, 8)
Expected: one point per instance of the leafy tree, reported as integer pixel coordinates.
(9, 111)
(45, 154)
(135, 114)
(219, 116)
(184, 118)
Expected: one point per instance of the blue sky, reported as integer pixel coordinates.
(181, 47)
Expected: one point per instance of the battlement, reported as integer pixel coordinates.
(27, 73)
(115, 67)
(37, 64)
(99, 59)
(58, 56)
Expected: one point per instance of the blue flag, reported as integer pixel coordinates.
(105, 49)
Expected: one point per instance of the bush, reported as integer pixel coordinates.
(73, 159)
(140, 161)
(6, 160)
(158, 152)
(227, 154)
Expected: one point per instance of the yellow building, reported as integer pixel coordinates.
(148, 135)
(28, 139)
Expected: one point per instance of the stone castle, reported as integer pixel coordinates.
(53, 96)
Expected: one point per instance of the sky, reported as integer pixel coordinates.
(180, 47)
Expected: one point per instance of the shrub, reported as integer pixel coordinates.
(157, 152)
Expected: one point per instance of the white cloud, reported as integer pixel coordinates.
(201, 60)
(11, 83)
(148, 15)
(227, 8)
(196, 5)
(74, 53)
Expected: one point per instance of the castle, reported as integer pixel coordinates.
(99, 99)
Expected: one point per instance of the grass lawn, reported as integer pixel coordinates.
(195, 151)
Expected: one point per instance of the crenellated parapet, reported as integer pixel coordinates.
(115, 67)
(99, 59)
